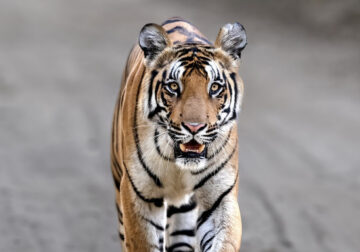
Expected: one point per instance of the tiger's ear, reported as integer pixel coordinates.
(232, 39)
(153, 40)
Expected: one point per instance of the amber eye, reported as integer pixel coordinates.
(173, 87)
(215, 88)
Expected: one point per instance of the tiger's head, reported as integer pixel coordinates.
(192, 91)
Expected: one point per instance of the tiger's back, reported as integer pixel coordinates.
(174, 140)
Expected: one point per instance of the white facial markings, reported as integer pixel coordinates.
(175, 73)
(212, 70)
(215, 76)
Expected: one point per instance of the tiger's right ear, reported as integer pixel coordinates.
(153, 40)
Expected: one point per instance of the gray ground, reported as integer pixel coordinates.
(60, 68)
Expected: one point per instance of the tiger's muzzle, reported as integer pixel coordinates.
(191, 148)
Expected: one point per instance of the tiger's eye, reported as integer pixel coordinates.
(215, 87)
(174, 86)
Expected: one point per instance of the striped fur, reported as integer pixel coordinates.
(167, 200)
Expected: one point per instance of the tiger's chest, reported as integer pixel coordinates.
(153, 168)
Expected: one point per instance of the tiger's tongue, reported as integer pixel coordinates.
(192, 146)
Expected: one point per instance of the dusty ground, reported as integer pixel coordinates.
(60, 68)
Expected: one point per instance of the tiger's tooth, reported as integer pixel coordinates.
(183, 148)
(202, 147)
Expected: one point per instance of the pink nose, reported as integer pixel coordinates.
(194, 127)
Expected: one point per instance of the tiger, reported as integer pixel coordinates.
(174, 143)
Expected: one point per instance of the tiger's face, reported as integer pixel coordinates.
(193, 91)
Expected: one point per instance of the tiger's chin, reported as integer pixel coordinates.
(191, 155)
(192, 164)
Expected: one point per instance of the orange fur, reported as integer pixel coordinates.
(193, 106)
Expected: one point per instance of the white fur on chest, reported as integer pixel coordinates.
(177, 184)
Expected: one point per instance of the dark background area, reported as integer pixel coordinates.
(60, 70)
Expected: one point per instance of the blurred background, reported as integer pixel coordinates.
(60, 70)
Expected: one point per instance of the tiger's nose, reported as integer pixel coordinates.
(193, 127)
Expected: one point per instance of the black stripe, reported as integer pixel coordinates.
(203, 239)
(232, 75)
(205, 60)
(158, 84)
(138, 149)
(171, 75)
(118, 210)
(184, 51)
(187, 59)
(174, 126)
(182, 209)
(187, 232)
(120, 215)
(116, 182)
(164, 101)
(170, 21)
(121, 236)
(176, 133)
(118, 172)
(179, 29)
(207, 242)
(120, 221)
(177, 245)
(157, 110)
(211, 174)
(150, 91)
(117, 166)
(188, 34)
(221, 147)
(206, 214)
(228, 109)
(157, 201)
(157, 146)
(157, 226)
(225, 100)
(211, 135)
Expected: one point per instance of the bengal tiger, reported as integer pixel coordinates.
(174, 148)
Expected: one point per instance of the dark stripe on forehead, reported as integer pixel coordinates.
(194, 49)
(170, 21)
(191, 36)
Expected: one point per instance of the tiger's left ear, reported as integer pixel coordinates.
(232, 39)
(153, 40)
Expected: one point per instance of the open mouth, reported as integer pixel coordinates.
(191, 149)
(192, 146)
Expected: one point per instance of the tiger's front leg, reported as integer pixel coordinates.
(144, 222)
(219, 227)
(181, 227)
